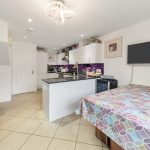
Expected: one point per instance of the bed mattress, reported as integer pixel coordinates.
(123, 114)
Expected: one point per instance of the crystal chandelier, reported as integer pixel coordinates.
(58, 11)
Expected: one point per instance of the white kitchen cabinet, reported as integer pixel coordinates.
(91, 53)
(42, 61)
(73, 56)
(86, 54)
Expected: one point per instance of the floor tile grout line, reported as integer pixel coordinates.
(46, 136)
(15, 127)
(49, 137)
(15, 116)
(77, 134)
(6, 121)
(42, 120)
(54, 134)
(5, 136)
(29, 136)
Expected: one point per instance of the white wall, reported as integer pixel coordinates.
(5, 84)
(5, 77)
(3, 31)
(4, 54)
(27, 46)
(118, 66)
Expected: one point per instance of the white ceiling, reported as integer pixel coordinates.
(92, 17)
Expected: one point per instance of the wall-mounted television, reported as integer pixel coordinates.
(139, 53)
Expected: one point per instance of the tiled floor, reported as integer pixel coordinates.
(24, 126)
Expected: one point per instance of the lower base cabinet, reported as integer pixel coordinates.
(106, 140)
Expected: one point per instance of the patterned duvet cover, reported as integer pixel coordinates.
(123, 114)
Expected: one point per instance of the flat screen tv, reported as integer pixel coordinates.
(139, 53)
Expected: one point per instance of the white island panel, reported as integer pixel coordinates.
(61, 99)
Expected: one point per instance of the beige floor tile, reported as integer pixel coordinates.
(67, 131)
(87, 135)
(13, 141)
(31, 106)
(4, 118)
(12, 111)
(3, 133)
(4, 106)
(58, 120)
(29, 126)
(104, 145)
(26, 113)
(85, 122)
(81, 146)
(12, 124)
(72, 119)
(47, 129)
(39, 115)
(36, 143)
(61, 145)
(105, 148)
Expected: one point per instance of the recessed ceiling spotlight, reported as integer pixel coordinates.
(82, 35)
(25, 37)
(31, 29)
(55, 48)
(64, 44)
(29, 20)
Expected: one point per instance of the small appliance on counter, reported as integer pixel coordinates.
(106, 83)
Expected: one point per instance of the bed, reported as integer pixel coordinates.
(122, 114)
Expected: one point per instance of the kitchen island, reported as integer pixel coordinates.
(61, 97)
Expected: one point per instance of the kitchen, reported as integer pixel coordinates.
(62, 73)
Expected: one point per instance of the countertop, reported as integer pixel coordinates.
(70, 79)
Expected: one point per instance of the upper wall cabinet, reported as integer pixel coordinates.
(3, 31)
(86, 54)
(73, 56)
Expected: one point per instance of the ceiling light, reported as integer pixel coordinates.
(64, 44)
(29, 20)
(25, 37)
(58, 11)
(55, 48)
(31, 29)
(82, 35)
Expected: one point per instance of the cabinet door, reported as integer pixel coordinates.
(72, 56)
(98, 53)
(85, 52)
(91, 53)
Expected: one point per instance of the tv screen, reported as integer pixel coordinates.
(139, 53)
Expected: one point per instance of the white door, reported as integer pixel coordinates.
(23, 74)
